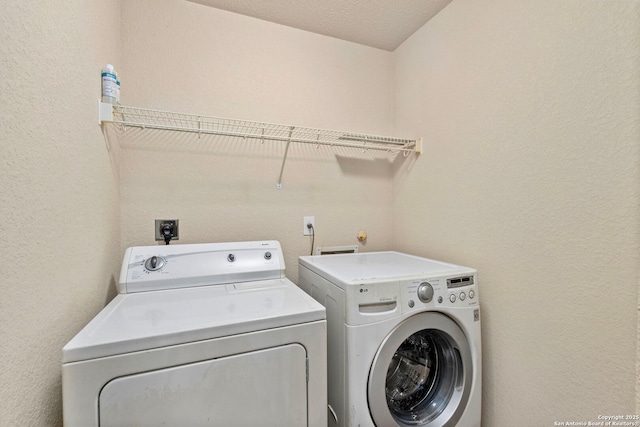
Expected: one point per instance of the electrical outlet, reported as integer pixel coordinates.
(308, 220)
(172, 225)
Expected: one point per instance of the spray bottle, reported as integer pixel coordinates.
(109, 85)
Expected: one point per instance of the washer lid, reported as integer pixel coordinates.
(372, 266)
(141, 321)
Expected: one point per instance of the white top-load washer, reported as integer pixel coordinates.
(404, 343)
(200, 335)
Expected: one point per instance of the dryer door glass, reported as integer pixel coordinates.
(421, 377)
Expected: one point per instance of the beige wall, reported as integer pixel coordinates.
(59, 202)
(182, 56)
(530, 113)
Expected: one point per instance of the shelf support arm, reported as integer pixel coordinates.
(284, 159)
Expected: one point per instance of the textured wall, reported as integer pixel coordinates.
(182, 56)
(59, 202)
(531, 173)
(530, 117)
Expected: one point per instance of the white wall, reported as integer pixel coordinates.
(531, 173)
(59, 200)
(182, 56)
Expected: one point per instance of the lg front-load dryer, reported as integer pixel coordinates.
(403, 339)
(200, 335)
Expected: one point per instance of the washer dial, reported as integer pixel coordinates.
(425, 292)
(154, 263)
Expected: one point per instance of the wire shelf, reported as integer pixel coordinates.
(164, 120)
(156, 119)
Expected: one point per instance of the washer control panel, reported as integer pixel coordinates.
(154, 263)
(147, 268)
(456, 291)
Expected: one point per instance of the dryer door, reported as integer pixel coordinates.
(260, 388)
(422, 374)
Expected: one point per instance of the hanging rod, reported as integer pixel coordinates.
(164, 120)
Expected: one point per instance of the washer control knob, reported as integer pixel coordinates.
(472, 294)
(452, 297)
(425, 292)
(154, 263)
(462, 296)
(267, 255)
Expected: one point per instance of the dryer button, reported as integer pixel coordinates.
(463, 296)
(472, 294)
(452, 298)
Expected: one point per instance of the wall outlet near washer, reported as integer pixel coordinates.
(306, 230)
(172, 225)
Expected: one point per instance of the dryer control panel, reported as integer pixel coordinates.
(448, 291)
(149, 268)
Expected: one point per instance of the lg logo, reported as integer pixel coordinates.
(362, 290)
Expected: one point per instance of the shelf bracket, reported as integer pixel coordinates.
(105, 112)
(418, 146)
(284, 159)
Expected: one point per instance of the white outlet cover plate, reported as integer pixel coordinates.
(307, 220)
